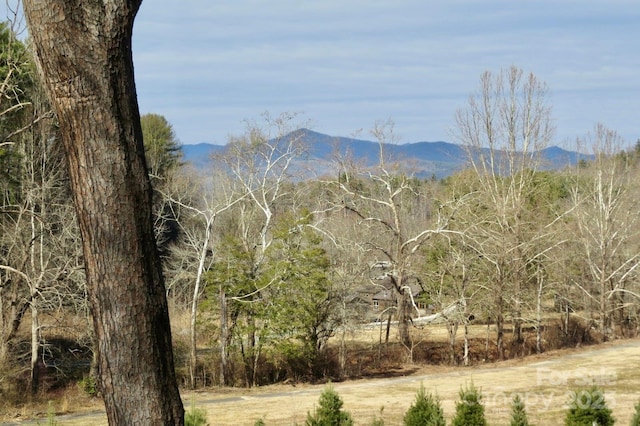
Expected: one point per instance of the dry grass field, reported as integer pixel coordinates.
(545, 382)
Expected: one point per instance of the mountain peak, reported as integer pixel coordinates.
(428, 159)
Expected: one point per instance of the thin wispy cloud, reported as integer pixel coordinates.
(208, 66)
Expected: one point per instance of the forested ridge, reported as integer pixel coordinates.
(429, 160)
(272, 274)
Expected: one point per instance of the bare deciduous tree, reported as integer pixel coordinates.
(396, 218)
(504, 128)
(196, 203)
(606, 217)
(261, 163)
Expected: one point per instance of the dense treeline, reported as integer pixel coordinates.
(270, 272)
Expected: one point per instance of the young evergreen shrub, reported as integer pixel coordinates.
(518, 412)
(588, 407)
(330, 412)
(88, 385)
(425, 411)
(51, 416)
(469, 410)
(635, 421)
(378, 421)
(195, 416)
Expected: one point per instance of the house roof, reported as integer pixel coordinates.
(388, 294)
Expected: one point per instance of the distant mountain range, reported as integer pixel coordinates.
(426, 159)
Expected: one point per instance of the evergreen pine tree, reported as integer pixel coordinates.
(588, 408)
(518, 412)
(469, 410)
(330, 412)
(425, 411)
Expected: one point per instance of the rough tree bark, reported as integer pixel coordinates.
(83, 51)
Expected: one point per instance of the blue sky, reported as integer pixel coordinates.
(209, 65)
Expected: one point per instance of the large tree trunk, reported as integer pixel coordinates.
(404, 318)
(83, 50)
(499, 316)
(452, 329)
(224, 337)
(604, 312)
(34, 378)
